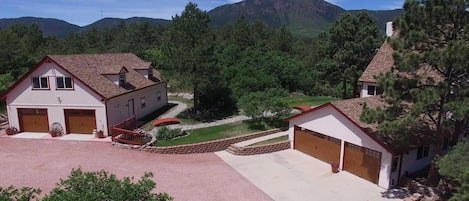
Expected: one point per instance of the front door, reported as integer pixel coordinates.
(131, 108)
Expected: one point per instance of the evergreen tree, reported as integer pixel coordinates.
(354, 41)
(190, 47)
(431, 89)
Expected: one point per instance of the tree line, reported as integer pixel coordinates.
(220, 66)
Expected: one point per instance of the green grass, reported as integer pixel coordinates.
(309, 100)
(214, 133)
(270, 141)
(188, 102)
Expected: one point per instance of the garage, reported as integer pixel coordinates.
(320, 146)
(33, 120)
(363, 162)
(80, 121)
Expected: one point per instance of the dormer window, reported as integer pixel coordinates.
(374, 90)
(122, 80)
(150, 73)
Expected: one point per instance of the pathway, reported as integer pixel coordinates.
(180, 107)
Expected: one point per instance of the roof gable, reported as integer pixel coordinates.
(91, 68)
(381, 63)
(351, 109)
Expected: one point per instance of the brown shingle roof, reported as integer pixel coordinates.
(91, 68)
(382, 62)
(353, 109)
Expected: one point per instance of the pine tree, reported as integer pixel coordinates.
(431, 89)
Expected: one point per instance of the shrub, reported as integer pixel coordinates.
(165, 134)
(24, 194)
(104, 186)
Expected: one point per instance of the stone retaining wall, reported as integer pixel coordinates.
(211, 146)
(259, 149)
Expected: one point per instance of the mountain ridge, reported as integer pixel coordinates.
(302, 17)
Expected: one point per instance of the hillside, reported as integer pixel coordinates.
(113, 22)
(49, 26)
(303, 17)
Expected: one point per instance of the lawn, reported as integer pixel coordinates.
(215, 133)
(273, 140)
(309, 100)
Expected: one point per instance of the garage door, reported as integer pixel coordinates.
(33, 120)
(80, 121)
(320, 146)
(362, 162)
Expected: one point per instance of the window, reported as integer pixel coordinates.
(374, 90)
(142, 102)
(423, 152)
(395, 162)
(150, 72)
(64, 82)
(40, 83)
(122, 79)
(158, 95)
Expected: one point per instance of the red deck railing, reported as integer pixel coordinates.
(123, 132)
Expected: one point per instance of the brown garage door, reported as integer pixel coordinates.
(33, 120)
(362, 162)
(80, 121)
(320, 146)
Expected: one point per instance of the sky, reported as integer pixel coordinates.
(84, 12)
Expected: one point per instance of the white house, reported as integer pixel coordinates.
(334, 133)
(84, 92)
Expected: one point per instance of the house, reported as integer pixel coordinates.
(334, 133)
(84, 92)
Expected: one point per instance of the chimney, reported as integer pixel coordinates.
(389, 29)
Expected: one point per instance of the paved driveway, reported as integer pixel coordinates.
(41, 163)
(292, 175)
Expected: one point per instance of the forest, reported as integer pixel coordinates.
(223, 64)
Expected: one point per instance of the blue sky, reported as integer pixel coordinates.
(84, 12)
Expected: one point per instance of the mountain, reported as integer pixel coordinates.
(113, 22)
(49, 26)
(302, 17)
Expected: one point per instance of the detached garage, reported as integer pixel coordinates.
(333, 133)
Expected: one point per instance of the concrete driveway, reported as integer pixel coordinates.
(292, 175)
(41, 163)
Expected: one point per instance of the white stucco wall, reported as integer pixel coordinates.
(330, 122)
(410, 164)
(118, 107)
(55, 101)
(364, 91)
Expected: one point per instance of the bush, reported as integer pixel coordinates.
(165, 134)
(24, 194)
(104, 186)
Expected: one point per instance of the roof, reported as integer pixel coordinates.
(91, 68)
(382, 62)
(352, 110)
